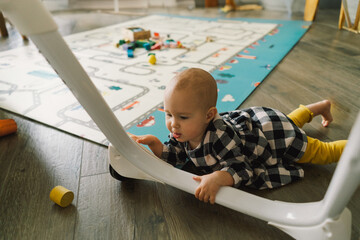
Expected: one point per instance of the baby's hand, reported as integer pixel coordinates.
(207, 189)
(144, 139)
(153, 142)
(133, 137)
(210, 185)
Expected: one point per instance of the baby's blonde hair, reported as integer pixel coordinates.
(199, 81)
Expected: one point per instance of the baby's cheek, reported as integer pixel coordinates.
(168, 125)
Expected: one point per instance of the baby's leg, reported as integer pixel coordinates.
(318, 152)
(304, 114)
(322, 108)
(301, 115)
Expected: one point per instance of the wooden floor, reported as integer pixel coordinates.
(325, 64)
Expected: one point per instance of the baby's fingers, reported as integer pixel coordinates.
(197, 178)
(206, 198)
(197, 192)
(138, 139)
(212, 199)
(133, 137)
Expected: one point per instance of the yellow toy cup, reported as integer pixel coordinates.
(152, 58)
(61, 196)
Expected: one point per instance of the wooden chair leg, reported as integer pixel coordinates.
(310, 9)
(211, 3)
(3, 30)
(230, 3)
(341, 17)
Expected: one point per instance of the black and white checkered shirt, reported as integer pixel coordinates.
(258, 146)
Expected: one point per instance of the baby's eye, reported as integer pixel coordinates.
(184, 117)
(168, 114)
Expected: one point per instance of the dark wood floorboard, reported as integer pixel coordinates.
(95, 160)
(324, 64)
(33, 161)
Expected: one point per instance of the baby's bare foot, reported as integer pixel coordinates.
(326, 113)
(322, 108)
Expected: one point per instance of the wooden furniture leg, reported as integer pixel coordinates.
(3, 30)
(211, 3)
(230, 3)
(341, 17)
(310, 9)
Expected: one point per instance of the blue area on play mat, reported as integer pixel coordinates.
(241, 74)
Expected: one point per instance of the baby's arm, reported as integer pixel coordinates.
(210, 185)
(153, 142)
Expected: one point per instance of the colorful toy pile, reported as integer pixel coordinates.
(136, 37)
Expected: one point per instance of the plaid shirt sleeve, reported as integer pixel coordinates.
(174, 152)
(227, 148)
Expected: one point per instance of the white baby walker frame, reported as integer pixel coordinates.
(325, 219)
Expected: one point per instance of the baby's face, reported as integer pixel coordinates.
(185, 118)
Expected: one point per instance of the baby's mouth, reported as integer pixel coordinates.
(176, 135)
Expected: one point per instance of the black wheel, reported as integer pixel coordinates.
(117, 176)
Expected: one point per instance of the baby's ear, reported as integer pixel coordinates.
(211, 113)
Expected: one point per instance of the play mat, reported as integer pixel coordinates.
(239, 53)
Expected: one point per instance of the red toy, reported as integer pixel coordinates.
(7, 126)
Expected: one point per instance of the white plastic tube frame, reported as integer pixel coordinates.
(325, 219)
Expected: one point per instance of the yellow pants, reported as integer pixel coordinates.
(317, 152)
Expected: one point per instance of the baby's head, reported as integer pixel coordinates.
(190, 104)
(197, 82)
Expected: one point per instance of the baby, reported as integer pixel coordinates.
(257, 147)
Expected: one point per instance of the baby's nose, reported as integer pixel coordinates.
(174, 124)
